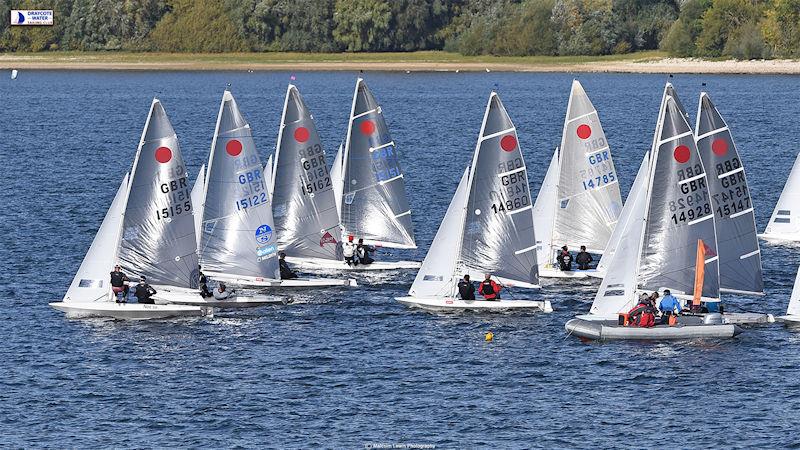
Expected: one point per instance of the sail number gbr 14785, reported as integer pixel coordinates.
(514, 191)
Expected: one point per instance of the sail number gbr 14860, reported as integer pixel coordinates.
(514, 188)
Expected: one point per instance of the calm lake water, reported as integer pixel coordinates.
(349, 368)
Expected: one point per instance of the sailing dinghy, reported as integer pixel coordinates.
(670, 244)
(784, 224)
(488, 227)
(579, 201)
(734, 219)
(239, 244)
(304, 205)
(368, 183)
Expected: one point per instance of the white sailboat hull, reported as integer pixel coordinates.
(553, 272)
(125, 311)
(454, 304)
(780, 237)
(259, 282)
(790, 320)
(329, 264)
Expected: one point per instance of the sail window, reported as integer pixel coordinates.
(783, 212)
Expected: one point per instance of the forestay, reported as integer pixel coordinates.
(437, 276)
(785, 220)
(498, 235)
(739, 254)
(679, 211)
(544, 210)
(91, 282)
(238, 230)
(158, 238)
(304, 207)
(374, 204)
(589, 201)
(198, 190)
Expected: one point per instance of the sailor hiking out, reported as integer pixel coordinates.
(286, 272)
(363, 252)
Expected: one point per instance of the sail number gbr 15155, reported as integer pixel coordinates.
(514, 187)
(177, 193)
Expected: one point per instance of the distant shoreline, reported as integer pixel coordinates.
(643, 62)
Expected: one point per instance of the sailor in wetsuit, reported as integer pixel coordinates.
(489, 289)
(565, 259)
(119, 284)
(204, 292)
(363, 250)
(349, 251)
(222, 293)
(583, 258)
(466, 289)
(286, 272)
(144, 291)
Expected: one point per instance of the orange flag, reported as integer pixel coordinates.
(699, 272)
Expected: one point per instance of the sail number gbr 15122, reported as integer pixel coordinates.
(514, 187)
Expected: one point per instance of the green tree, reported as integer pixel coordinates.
(584, 27)
(722, 20)
(362, 25)
(37, 38)
(196, 26)
(527, 30)
(680, 40)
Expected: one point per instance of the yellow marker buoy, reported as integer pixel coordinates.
(489, 336)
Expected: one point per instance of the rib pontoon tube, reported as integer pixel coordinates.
(687, 328)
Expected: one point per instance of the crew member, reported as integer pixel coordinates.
(363, 251)
(642, 315)
(489, 289)
(286, 272)
(349, 251)
(669, 305)
(144, 291)
(466, 289)
(565, 259)
(119, 284)
(204, 292)
(222, 293)
(583, 258)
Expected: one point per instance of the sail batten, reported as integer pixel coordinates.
(373, 193)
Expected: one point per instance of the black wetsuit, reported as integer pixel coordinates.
(143, 291)
(363, 251)
(583, 259)
(466, 289)
(565, 261)
(120, 280)
(286, 271)
(204, 292)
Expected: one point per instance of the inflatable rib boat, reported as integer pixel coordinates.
(691, 327)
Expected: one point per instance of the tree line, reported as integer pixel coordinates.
(743, 29)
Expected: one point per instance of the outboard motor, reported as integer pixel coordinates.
(713, 319)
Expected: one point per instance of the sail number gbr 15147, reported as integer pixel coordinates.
(514, 187)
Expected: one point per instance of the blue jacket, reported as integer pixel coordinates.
(669, 303)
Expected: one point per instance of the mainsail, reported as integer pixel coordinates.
(679, 211)
(437, 276)
(238, 230)
(739, 254)
(158, 238)
(589, 201)
(374, 204)
(198, 190)
(91, 282)
(304, 207)
(498, 233)
(785, 220)
(544, 210)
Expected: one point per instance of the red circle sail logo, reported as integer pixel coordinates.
(301, 134)
(508, 143)
(584, 131)
(163, 155)
(233, 147)
(682, 154)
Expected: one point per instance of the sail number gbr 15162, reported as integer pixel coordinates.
(315, 175)
(514, 187)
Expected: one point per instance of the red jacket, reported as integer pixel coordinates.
(490, 290)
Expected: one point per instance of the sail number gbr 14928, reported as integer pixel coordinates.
(514, 187)
(692, 201)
